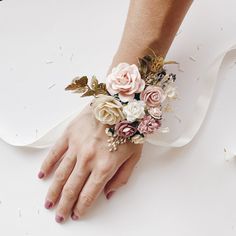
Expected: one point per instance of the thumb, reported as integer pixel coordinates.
(121, 176)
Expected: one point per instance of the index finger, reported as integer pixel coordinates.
(56, 152)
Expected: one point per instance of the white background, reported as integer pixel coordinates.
(185, 191)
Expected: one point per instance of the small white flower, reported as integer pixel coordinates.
(155, 112)
(134, 110)
(170, 92)
(137, 139)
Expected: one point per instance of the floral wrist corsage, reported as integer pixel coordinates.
(132, 100)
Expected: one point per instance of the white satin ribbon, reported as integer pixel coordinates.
(191, 127)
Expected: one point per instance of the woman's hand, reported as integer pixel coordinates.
(87, 167)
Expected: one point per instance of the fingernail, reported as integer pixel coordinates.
(59, 219)
(48, 204)
(40, 175)
(74, 217)
(108, 196)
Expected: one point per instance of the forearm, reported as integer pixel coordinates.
(150, 24)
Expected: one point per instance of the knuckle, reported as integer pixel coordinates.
(80, 173)
(106, 167)
(86, 160)
(60, 177)
(70, 157)
(99, 179)
(87, 200)
(53, 153)
(68, 160)
(69, 193)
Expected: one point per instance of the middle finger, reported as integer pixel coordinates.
(61, 175)
(71, 190)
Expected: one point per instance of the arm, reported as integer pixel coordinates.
(150, 24)
(87, 168)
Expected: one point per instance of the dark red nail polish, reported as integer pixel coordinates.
(40, 175)
(59, 219)
(108, 196)
(48, 204)
(74, 217)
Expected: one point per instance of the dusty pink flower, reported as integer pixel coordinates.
(148, 125)
(125, 129)
(125, 80)
(153, 96)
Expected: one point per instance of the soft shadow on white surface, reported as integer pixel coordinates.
(187, 191)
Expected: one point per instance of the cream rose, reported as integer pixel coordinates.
(125, 80)
(107, 109)
(153, 96)
(134, 110)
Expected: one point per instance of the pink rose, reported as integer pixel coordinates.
(125, 80)
(148, 125)
(125, 129)
(153, 96)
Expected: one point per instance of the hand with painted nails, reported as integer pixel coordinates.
(86, 167)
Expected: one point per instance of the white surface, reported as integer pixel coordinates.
(187, 191)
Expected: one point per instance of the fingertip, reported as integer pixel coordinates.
(48, 204)
(74, 216)
(41, 175)
(109, 194)
(59, 219)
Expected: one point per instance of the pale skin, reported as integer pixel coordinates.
(86, 167)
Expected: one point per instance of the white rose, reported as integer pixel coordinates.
(137, 139)
(170, 92)
(134, 110)
(107, 109)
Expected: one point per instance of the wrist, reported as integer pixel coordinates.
(129, 52)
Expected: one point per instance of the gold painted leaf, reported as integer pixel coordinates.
(100, 91)
(94, 83)
(77, 83)
(142, 66)
(82, 81)
(89, 92)
(81, 90)
(102, 86)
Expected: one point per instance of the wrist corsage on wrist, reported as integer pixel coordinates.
(133, 99)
